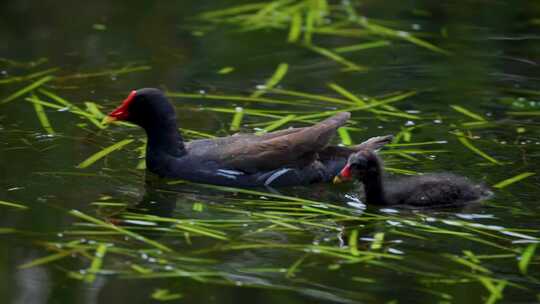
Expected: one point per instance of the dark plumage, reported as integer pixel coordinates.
(288, 157)
(429, 190)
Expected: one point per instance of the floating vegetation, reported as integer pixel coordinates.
(512, 180)
(465, 141)
(302, 20)
(280, 72)
(43, 119)
(13, 205)
(26, 89)
(106, 151)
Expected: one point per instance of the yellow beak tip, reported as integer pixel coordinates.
(337, 180)
(108, 120)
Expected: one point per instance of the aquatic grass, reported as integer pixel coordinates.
(13, 205)
(523, 113)
(495, 288)
(263, 100)
(377, 243)
(349, 66)
(28, 77)
(234, 10)
(27, 89)
(111, 72)
(388, 32)
(278, 75)
(23, 64)
(310, 96)
(226, 70)
(467, 263)
(295, 30)
(463, 139)
(97, 262)
(347, 94)
(160, 294)
(42, 117)
(353, 242)
(306, 17)
(362, 46)
(65, 105)
(53, 257)
(126, 232)
(104, 152)
(513, 180)
(93, 108)
(468, 113)
(344, 136)
(276, 124)
(237, 119)
(526, 258)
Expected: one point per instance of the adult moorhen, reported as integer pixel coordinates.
(288, 157)
(429, 190)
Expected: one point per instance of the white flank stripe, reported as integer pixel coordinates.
(231, 172)
(275, 175)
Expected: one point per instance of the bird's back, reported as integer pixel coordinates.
(440, 189)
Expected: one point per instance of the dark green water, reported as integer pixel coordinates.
(496, 51)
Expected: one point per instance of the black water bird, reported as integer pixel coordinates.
(429, 190)
(293, 156)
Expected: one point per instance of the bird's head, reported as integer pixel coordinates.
(358, 166)
(143, 107)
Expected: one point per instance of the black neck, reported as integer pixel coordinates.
(374, 187)
(163, 137)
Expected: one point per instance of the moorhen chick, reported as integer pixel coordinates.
(429, 190)
(288, 157)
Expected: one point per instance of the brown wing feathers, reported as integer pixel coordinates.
(284, 148)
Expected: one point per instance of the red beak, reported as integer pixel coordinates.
(121, 113)
(343, 176)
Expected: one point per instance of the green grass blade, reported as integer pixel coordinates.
(201, 231)
(229, 98)
(110, 226)
(99, 155)
(350, 66)
(362, 46)
(42, 117)
(384, 31)
(276, 124)
(353, 243)
(296, 28)
(470, 146)
(114, 72)
(93, 109)
(512, 180)
(95, 266)
(466, 112)
(378, 239)
(345, 137)
(48, 259)
(237, 119)
(278, 75)
(529, 113)
(309, 25)
(347, 94)
(13, 205)
(233, 10)
(27, 89)
(165, 295)
(28, 77)
(226, 70)
(313, 96)
(294, 267)
(526, 258)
